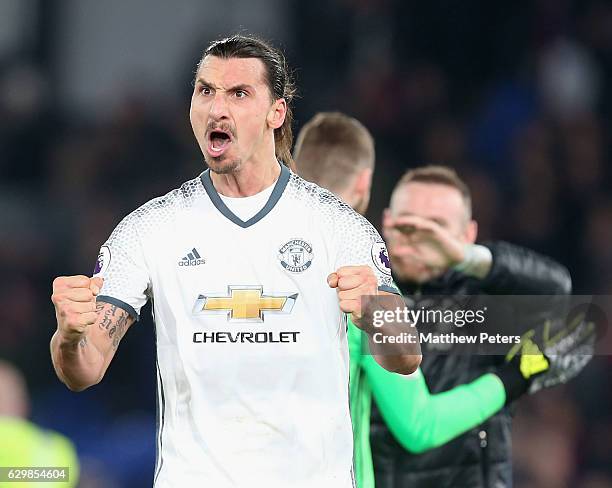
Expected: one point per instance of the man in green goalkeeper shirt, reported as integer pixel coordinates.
(337, 152)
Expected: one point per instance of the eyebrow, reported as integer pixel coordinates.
(241, 86)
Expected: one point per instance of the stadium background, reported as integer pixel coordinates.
(94, 101)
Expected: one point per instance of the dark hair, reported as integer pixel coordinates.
(277, 77)
(331, 147)
(441, 175)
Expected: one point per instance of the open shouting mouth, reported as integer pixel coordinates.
(218, 142)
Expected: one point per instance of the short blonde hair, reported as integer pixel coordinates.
(439, 175)
(331, 147)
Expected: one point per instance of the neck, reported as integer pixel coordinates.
(250, 178)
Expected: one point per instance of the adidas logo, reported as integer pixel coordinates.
(192, 259)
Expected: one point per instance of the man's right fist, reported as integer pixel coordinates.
(74, 298)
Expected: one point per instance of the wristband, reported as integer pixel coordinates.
(476, 256)
(514, 382)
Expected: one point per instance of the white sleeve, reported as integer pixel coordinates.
(359, 243)
(122, 264)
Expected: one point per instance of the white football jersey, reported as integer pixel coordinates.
(251, 344)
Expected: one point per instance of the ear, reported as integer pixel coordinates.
(277, 113)
(363, 182)
(471, 232)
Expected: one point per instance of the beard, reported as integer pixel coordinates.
(221, 165)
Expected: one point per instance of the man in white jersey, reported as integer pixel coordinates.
(251, 271)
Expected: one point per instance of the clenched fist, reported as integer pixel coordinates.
(351, 283)
(74, 298)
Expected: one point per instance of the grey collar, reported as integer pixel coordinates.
(277, 192)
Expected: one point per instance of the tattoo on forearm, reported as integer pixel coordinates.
(107, 317)
(118, 330)
(115, 321)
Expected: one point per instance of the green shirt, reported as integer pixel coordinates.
(23, 444)
(418, 420)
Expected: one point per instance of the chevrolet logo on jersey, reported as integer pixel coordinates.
(245, 303)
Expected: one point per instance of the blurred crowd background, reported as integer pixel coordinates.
(94, 100)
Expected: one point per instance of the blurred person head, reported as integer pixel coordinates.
(569, 79)
(241, 104)
(336, 151)
(14, 400)
(24, 443)
(434, 193)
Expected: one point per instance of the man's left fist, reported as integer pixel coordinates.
(351, 283)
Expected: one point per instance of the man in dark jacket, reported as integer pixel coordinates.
(431, 238)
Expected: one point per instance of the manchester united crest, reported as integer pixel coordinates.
(296, 255)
